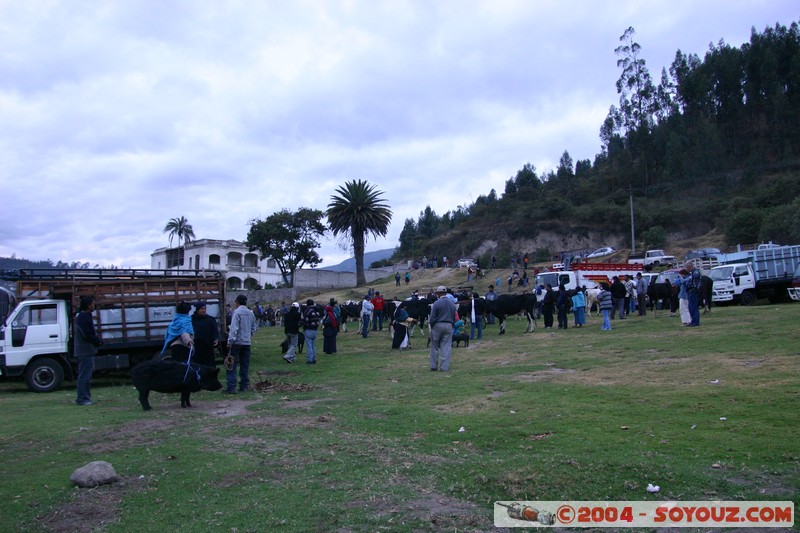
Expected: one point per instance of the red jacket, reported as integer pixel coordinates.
(377, 301)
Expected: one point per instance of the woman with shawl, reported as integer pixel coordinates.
(330, 328)
(179, 333)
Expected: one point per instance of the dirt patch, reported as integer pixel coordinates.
(285, 421)
(137, 433)
(280, 386)
(287, 373)
(542, 375)
(304, 404)
(91, 509)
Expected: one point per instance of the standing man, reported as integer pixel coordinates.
(641, 293)
(366, 315)
(291, 327)
(397, 279)
(86, 344)
(477, 310)
(311, 319)
(490, 297)
(693, 285)
(443, 317)
(243, 326)
(618, 293)
(206, 335)
(377, 317)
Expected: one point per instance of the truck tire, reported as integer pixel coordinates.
(44, 375)
(748, 298)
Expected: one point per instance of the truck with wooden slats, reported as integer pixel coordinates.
(133, 308)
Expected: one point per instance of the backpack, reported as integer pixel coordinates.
(310, 319)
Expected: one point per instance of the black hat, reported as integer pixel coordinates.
(333, 301)
(309, 302)
(199, 305)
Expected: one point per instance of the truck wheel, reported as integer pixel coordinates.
(656, 263)
(748, 298)
(44, 375)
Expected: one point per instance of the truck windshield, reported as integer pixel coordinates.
(721, 274)
(550, 277)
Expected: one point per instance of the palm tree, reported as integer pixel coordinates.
(355, 212)
(179, 227)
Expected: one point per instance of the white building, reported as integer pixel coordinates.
(242, 269)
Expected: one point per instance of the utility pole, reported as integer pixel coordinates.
(633, 232)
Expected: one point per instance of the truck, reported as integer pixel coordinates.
(794, 290)
(746, 276)
(588, 274)
(133, 308)
(653, 258)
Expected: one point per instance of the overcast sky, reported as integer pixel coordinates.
(116, 116)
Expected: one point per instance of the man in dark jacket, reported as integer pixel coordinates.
(206, 335)
(291, 326)
(86, 343)
(618, 292)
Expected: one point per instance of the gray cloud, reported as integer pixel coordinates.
(119, 116)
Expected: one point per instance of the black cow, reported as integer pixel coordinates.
(511, 304)
(301, 341)
(417, 308)
(706, 293)
(349, 310)
(663, 295)
(172, 376)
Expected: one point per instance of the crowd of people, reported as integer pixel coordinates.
(195, 339)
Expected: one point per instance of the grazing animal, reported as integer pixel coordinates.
(706, 293)
(511, 304)
(350, 310)
(591, 299)
(663, 293)
(417, 308)
(172, 376)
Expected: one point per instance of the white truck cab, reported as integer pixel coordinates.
(734, 282)
(33, 338)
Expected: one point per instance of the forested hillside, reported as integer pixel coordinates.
(713, 145)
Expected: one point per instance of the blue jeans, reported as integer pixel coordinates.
(85, 370)
(694, 308)
(365, 325)
(606, 321)
(377, 320)
(241, 361)
(476, 324)
(311, 345)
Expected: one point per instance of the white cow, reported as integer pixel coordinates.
(591, 298)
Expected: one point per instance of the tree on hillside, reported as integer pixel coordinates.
(356, 211)
(179, 227)
(291, 239)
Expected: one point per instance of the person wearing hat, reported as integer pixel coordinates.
(206, 335)
(442, 319)
(243, 327)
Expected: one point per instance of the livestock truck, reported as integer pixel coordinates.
(588, 274)
(747, 276)
(133, 309)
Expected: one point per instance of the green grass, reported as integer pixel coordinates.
(579, 414)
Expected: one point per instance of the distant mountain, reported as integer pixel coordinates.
(349, 265)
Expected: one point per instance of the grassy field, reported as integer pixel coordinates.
(368, 439)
